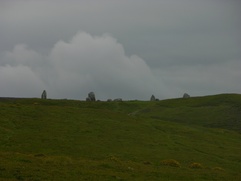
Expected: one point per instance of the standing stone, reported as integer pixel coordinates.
(152, 98)
(44, 95)
(91, 96)
(186, 95)
(118, 100)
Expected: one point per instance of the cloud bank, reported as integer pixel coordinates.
(164, 48)
(72, 69)
(87, 63)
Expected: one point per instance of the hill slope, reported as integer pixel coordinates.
(133, 140)
(219, 111)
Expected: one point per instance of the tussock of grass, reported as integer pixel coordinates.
(147, 163)
(39, 155)
(114, 158)
(219, 169)
(171, 163)
(196, 165)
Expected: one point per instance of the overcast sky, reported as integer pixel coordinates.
(126, 49)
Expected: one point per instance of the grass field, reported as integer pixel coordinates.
(178, 139)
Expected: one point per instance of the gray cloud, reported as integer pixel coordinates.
(180, 45)
(99, 63)
(201, 80)
(19, 81)
(85, 63)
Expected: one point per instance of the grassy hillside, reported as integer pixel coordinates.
(178, 139)
(220, 111)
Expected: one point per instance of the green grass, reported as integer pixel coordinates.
(130, 140)
(220, 111)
